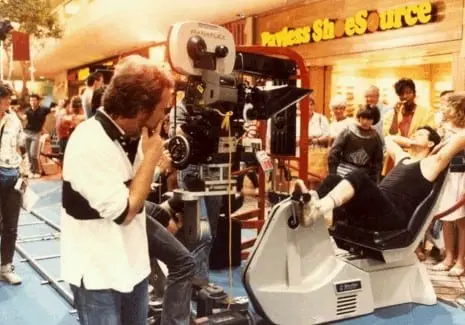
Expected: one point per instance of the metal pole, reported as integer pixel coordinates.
(10, 68)
(1, 60)
(45, 275)
(46, 220)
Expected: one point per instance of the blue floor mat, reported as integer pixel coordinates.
(32, 303)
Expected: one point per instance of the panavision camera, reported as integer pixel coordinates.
(216, 87)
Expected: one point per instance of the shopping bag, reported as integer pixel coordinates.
(29, 197)
(318, 161)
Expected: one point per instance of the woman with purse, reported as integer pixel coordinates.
(10, 198)
(318, 141)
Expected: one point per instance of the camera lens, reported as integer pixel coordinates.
(196, 47)
(180, 151)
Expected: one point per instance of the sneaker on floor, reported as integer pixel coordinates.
(311, 212)
(7, 272)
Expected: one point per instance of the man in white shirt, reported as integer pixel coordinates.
(106, 179)
(93, 82)
(10, 199)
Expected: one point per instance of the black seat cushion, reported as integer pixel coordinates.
(370, 242)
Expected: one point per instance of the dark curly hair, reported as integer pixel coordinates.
(5, 90)
(369, 113)
(136, 86)
(403, 83)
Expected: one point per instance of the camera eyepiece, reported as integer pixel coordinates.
(196, 47)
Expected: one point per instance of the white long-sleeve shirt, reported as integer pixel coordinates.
(12, 138)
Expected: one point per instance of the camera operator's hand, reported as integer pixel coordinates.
(152, 146)
(165, 161)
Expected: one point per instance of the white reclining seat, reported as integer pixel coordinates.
(395, 245)
(294, 277)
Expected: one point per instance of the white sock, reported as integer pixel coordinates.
(326, 204)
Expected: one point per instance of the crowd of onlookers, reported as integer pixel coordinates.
(349, 140)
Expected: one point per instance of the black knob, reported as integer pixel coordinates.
(196, 47)
(292, 222)
(221, 51)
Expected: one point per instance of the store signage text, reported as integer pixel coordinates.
(361, 23)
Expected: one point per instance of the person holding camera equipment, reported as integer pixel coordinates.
(11, 136)
(106, 179)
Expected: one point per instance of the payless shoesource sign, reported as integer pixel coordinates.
(361, 23)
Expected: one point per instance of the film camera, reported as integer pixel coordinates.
(220, 91)
(216, 90)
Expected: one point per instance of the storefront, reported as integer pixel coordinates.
(76, 77)
(350, 45)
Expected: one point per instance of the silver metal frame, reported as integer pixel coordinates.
(55, 283)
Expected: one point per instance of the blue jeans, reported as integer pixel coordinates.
(210, 206)
(165, 247)
(10, 205)
(110, 307)
(32, 144)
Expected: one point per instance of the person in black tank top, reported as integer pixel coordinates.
(357, 200)
(405, 186)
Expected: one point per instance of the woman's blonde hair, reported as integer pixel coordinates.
(456, 102)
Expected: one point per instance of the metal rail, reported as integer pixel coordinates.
(33, 261)
(46, 220)
(54, 283)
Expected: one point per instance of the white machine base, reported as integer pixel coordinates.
(309, 284)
